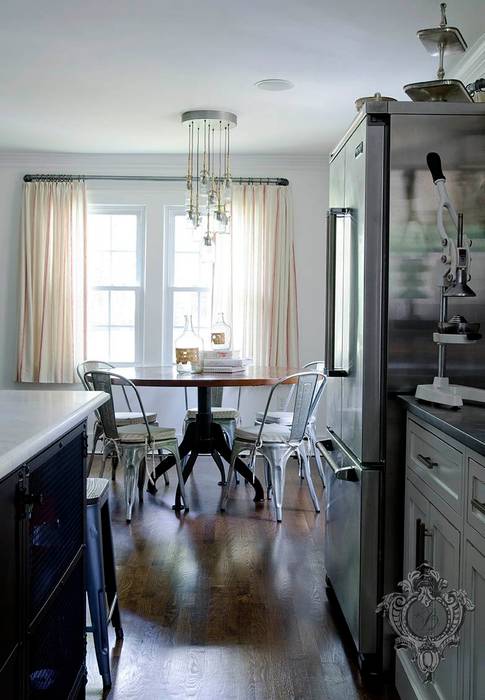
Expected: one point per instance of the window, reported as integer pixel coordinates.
(188, 280)
(115, 290)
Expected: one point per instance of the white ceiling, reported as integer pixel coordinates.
(113, 76)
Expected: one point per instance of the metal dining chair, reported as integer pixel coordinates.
(285, 417)
(276, 443)
(122, 417)
(134, 442)
(228, 418)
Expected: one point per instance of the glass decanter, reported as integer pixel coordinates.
(221, 334)
(189, 349)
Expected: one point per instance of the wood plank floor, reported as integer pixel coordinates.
(226, 606)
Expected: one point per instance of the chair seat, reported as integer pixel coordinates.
(138, 433)
(270, 433)
(129, 417)
(96, 489)
(278, 417)
(218, 412)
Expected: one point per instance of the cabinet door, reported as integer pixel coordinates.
(445, 558)
(9, 567)
(416, 515)
(473, 633)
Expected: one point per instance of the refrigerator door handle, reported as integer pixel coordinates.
(341, 473)
(332, 215)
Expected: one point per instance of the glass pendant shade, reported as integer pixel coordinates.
(227, 195)
(197, 230)
(207, 250)
(203, 204)
(189, 349)
(221, 334)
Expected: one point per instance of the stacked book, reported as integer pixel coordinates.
(226, 361)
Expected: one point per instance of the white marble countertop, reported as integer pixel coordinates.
(30, 421)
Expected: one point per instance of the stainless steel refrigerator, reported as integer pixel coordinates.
(383, 272)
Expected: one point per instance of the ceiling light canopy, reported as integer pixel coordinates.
(208, 201)
(274, 84)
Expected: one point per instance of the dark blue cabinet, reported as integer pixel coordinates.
(42, 592)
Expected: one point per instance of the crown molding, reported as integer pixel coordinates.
(472, 65)
(153, 164)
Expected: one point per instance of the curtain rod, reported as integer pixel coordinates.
(282, 181)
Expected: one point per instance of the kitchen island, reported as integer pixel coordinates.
(42, 502)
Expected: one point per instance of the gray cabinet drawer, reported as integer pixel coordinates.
(437, 462)
(475, 504)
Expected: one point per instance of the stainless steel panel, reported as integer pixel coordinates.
(351, 542)
(342, 541)
(370, 579)
(375, 292)
(457, 133)
(359, 295)
(353, 245)
(333, 398)
(373, 109)
(415, 269)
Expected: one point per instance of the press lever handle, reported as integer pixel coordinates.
(434, 165)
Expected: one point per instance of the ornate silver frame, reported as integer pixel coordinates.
(424, 587)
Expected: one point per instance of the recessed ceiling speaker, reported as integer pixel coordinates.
(274, 84)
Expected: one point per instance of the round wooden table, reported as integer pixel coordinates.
(204, 436)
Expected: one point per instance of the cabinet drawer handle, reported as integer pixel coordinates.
(478, 505)
(427, 461)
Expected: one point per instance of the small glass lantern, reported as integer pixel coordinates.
(189, 349)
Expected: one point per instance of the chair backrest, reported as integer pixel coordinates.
(88, 366)
(308, 390)
(319, 365)
(217, 395)
(102, 380)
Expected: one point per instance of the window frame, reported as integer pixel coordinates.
(139, 289)
(170, 214)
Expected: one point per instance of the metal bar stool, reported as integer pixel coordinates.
(101, 574)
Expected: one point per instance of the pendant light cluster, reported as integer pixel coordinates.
(208, 202)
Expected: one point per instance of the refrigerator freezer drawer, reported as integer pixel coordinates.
(351, 543)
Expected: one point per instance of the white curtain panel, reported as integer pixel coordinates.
(255, 279)
(52, 281)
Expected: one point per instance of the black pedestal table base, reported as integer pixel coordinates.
(204, 437)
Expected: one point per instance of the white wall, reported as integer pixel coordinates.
(471, 65)
(309, 183)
